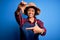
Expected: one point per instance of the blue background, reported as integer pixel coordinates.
(50, 15)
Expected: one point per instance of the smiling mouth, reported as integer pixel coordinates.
(30, 14)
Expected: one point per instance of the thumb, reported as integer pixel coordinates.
(36, 23)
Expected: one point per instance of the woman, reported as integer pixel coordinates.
(30, 27)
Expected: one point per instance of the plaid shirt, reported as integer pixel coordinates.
(22, 20)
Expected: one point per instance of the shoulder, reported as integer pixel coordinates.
(24, 20)
(39, 21)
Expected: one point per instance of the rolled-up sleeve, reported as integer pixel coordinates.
(19, 18)
(41, 25)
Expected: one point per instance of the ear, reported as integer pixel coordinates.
(38, 11)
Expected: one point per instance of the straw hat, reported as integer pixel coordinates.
(32, 5)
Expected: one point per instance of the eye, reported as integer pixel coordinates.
(28, 10)
(33, 10)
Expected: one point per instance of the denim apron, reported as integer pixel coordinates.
(28, 34)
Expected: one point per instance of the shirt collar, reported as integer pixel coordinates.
(34, 20)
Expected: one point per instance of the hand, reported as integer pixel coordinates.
(22, 6)
(36, 29)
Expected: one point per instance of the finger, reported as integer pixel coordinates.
(23, 2)
(31, 28)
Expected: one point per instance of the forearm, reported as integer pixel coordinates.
(18, 15)
(17, 12)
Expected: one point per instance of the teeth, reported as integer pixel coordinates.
(30, 14)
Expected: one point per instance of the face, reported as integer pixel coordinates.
(31, 12)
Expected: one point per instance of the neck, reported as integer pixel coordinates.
(31, 19)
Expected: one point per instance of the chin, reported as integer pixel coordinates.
(30, 16)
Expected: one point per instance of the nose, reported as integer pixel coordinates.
(30, 12)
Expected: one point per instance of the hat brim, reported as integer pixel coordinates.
(37, 10)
